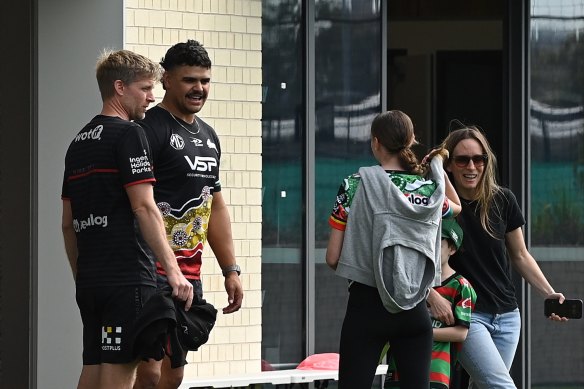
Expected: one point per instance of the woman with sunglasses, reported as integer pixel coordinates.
(493, 241)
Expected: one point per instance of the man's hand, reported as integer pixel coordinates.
(234, 293)
(182, 289)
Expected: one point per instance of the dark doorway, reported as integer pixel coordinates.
(17, 29)
(469, 88)
(445, 62)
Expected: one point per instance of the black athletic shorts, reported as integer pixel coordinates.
(108, 315)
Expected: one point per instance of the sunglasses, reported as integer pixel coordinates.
(463, 160)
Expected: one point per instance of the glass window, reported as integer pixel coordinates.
(557, 183)
(282, 210)
(348, 81)
(348, 90)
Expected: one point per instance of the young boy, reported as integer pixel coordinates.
(447, 340)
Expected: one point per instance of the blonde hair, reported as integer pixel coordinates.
(123, 65)
(487, 187)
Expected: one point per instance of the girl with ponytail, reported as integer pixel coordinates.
(385, 240)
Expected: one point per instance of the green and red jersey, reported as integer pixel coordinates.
(462, 296)
(417, 189)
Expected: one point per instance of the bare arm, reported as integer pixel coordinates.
(526, 265)
(450, 192)
(333, 250)
(152, 228)
(452, 196)
(440, 308)
(221, 240)
(69, 237)
(450, 334)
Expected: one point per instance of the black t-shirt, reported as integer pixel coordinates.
(186, 165)
(108, 155)
(483, 259)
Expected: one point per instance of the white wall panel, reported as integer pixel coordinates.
(71, 34)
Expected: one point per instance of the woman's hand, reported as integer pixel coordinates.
(438, 151)
(561, 298)
(440, 308)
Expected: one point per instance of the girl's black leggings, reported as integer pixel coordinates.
(368, 326)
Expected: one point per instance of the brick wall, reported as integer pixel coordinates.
(230, 30)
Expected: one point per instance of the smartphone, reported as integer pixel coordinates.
(570, 308)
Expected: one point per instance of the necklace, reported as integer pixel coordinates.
(180, 124)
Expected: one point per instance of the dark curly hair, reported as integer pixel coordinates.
(190, 53)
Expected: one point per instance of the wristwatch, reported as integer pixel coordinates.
(231, 268)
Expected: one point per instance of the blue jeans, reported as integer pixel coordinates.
(488, 351)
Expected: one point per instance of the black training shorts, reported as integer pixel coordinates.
(108, 316)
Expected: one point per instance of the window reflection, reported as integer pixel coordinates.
(347, 72)
(348, 82)
(557, 181)
(282, 271)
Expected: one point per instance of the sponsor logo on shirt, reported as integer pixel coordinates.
(201, 164)
(91, 221)
(140, 164)
(437, 323)
(93, 134)
(466, 303)
(197, 142)
(417, 199)
(177, 142)
(111, 339)
(411, 186)
(212, 145)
